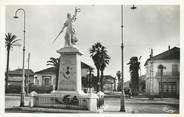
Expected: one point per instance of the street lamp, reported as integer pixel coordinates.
(122, 109)
(133, 7)
(28, 81)
(23, 70)
(161, 67)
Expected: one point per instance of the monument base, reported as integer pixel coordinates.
(67, 100)
(80, 94)
(69, 93)
(69, 77)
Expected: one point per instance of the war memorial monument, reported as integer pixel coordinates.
(69, 93)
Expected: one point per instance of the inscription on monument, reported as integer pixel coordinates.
(67, 74)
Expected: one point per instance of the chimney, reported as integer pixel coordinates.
(169, 47)
(151, 54)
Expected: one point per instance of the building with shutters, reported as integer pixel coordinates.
(15, 76)
(166, 84)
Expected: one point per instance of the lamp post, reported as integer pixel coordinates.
(28, 81)
(161, 67)
(23, 70)
(122, 108)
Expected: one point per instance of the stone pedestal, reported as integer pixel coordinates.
(92, 106)
(69, 91)
(70, 70)
(32, 99)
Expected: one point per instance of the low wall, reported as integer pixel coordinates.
(90, 101)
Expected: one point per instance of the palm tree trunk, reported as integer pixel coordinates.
(98, 84)
(101, 81)
(7, 68)
(135, 83)
(57, 75)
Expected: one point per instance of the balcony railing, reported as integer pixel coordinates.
(168, 74)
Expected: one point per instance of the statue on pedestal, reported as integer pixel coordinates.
(70, 37)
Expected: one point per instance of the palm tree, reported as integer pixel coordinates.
(10, 42)
(134, 74)
(104, 58)
(95, 55)
(101, 59)
(55, 63)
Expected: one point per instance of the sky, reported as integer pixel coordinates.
(148, 26)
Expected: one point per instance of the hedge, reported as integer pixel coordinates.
(38, 89)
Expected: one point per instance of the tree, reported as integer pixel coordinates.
(101, 60)
(95, 55)
(104, 58)
(118, 74)
(10, 42)
(134, 66)
(55, 63)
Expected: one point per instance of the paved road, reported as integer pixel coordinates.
(113, 105)
(12, 101)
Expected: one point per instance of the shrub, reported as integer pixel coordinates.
(38, 89)
(13, 89)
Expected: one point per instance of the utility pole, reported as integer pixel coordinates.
(28, 74)
(140, 65)
(24, 49)
(122, 109)
(151, 74)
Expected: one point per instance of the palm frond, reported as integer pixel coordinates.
(10, 40)
(53, 62)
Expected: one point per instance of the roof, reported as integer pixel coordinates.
(51, 70)
(19, 72)
(171, 54)
(84, 65)
(108, 82)
(108, 77)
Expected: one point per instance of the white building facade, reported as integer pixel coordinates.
(47, 77)
(168, 84)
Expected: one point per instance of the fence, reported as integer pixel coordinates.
(66, 102)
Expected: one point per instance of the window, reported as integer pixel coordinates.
(46, 80)
(158, 71)
(167, 87)
(175, 70)
(36, 81)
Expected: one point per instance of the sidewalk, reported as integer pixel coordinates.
(44, 110)
(111, 105)
(143, 99)
(154, 101)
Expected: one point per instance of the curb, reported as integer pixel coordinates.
(50, 110)
(153, 103)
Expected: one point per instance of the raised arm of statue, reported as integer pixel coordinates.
(75, 14)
